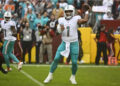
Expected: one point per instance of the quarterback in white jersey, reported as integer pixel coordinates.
(67, 26)
(9, 29)
(69, 33)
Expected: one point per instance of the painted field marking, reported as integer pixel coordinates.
(30, 77)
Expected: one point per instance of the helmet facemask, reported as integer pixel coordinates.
(7, 18)
(68, 14)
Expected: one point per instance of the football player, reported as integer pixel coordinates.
(67, 26)
(9, 28)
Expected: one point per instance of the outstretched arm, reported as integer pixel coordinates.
(83, 21)
(87, 9)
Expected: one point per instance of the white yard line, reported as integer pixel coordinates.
(80, 66)
(30, 77)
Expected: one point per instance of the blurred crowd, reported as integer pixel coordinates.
(37, 21)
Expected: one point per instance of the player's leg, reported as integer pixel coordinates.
(74, 52)
(10, 49)
(105, 53)
(29, 54)
(41, 53)
(57, 57)
(24, 50)
(74, 63)
(55, 62)
(49, 51)
(29, 48)
(5, 54)
(1, 68)
(99, 48)
(12, 56)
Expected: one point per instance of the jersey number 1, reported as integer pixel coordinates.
(4, 32)
(68, 30)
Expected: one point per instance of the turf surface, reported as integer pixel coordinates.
(87, 75)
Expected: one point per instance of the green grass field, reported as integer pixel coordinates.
(87, 75)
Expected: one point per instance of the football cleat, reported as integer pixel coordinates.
(72, 79)
(20, 65)
(3, 71)
(8, 69)
(48, 79)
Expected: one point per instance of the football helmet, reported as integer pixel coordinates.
(69, 11)
(7, 16)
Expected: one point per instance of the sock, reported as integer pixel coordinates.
(50, 74)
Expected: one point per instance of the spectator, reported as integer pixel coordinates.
(58, 12)
(31, 16)
(98, 2)
(70, 2)
(54, 2)
(22, 7)
(47, 45)
(108, 3)
(23, 22)
(15, 18)
(49, 7)
(40, 6)
(62, 4)
(52, 24)
(110, 42)
(44, 19)
(33, 2)
(28, 6)
(37, 21)
(27, 42)
(101, 39)
(1, 12)
(118, 10)
(3, 2)
(38, 36)
(6, 1)
(10, 6)
(115, 10)
(107, 16)
(99, 17)
(16, 2)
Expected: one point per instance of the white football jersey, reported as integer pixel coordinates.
(7, 31)
(70, 33)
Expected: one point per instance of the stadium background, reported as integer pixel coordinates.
(88, 43)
